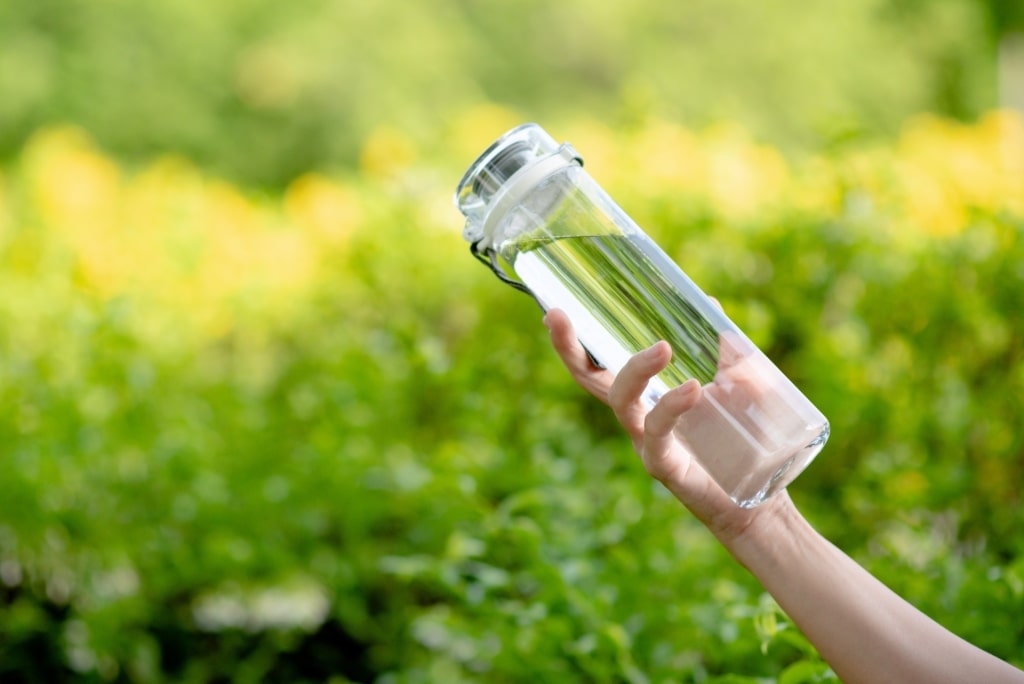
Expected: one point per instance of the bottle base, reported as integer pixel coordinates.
(784, 474)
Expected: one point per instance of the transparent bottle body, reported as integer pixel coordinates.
(753, 431)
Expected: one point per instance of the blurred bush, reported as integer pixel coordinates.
(303, 436)
(262, 92)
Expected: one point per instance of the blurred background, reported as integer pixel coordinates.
(262, 418)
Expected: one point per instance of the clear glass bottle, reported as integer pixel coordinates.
(529, 204)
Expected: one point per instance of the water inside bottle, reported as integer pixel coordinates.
(752, 429)
(622, 300)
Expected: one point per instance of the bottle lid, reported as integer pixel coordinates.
(503, 165)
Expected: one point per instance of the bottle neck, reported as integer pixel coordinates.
(514, 191)
(502, 167)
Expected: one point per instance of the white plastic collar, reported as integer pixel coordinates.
(513, 191)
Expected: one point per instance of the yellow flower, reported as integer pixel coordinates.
(76, 187)
(670, 158)
(949, 169)
(478, 125)
(743, 177)
(328, 211)
(386, 152)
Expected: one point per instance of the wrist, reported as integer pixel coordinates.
(758, 535)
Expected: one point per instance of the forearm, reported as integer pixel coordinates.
(860, 627)
(863, 630)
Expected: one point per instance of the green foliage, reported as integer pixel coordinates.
(263, 91)
(307, 438)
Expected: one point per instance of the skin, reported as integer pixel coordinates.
(860, 627)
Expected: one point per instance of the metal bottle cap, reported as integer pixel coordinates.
(498, 178)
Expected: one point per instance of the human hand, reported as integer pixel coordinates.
(798, 566)
(651, 431)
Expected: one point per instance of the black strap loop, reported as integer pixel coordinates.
(489, 258)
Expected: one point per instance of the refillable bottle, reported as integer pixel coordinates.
(530, 205)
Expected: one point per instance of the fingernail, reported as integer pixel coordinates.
(545, 322)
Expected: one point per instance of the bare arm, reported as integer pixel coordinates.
(860, 627)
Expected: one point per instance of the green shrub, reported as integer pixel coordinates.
(305, 437)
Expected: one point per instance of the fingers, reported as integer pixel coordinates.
(626, 392)
(638, 371)
(659, 441)
(595, 380)
(732, 347)
(673, 404)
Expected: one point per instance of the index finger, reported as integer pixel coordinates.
(596, 380)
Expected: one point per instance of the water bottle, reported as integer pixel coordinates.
(530, 207)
